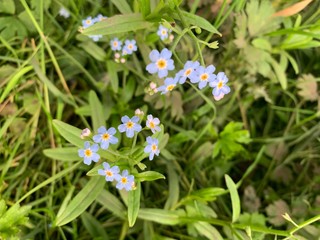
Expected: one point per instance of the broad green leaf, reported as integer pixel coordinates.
(145, 7)
(97, 114)
(112, 71)
(11, 27)
(148, 176)
(161, 216)
(81, 201)
(235, 200)
(94, 171)
(94, 50)
(195, 20)
(70, 133)
(112, 203)
(63, 154)
(7, 6)
(93, 226)
(207, 230)
(122, 6)
(118, 24)
(134, 204)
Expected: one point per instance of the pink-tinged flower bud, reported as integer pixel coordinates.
(117, 55)
(217, 98)
(138, 112)
(122, 60)
(171, 37)
(153, 85)
(85, 133)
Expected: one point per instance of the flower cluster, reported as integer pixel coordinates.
(89, 21)
(203, 76)
(105, 137)
(164, 33)
(121, 51)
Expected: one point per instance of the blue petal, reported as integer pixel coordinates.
(87, 161)
(135, 119)
(210, 69)
(162, 73)
(125, 173)
(104, 145)
(115, 169)
(216, 92)
(151, 156)
(86, 144)
(97, 138)
(125, 119)
(112, 131)
(113, 140)
(165, 53)
(95, 157)
(152, 68)
(101, 172)
(106, 165)
(81, 153)
(154, 55)
(170, 64)
(225, 89)
(122, 128)
(137, 127)
(147, 149)
(102, 130)
(130, 133)
(94, 147)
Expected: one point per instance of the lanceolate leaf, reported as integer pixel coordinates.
(235, 200)
(118, 24)
(64, 154)
(149, 176)
(97, 115)
(70, 133)
(134, 204)
(83, 200)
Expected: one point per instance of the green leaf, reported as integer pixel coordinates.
(94, 50)
(262, 43)
(134, 204)
(112, 71)
(63, 154)
(112, 203)
(174, 190)
(122, 6)
(97, 114)
(195, 20)
(145, 7)
(118, 24)
(280, 73)
(11, 27)
(161, 216)
(93, 226)
(70, 133)
(81, 201)
(207, 194)
(7, 6)
(235, 200)
(148, 176)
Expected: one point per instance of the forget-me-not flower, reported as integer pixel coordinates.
(100, 17)
(188, 71)
(152, 147)
(88, 22)
(110, 172)
(130, 125)
(169, 84)
(89, 153)
(125, 181)
(105, 137)
(204, 76)
(219, 85)
(163, 32)
(64, 12)
(161, 62)
(95, 37)
(153, 123)
(115, 44)
(130, 46)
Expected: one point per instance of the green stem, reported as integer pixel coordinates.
(305, 223)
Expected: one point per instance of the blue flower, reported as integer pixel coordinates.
(130, 46)
(88, 22)
(130, 125)
(219, 85)
(64, 12)
(161, 62)
(203, 76)
(105, 137)
(89, 153)
(100, 17)
(110, 173)
(163, 32)
(115, 44)
(188, 71)
(169, 84)
(125, 181)
(153, 123)
(152, 147)
(95, 37)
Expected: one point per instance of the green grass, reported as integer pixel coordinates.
(227, 169)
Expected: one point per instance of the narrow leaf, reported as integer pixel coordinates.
(97, 115)
(112, 71)
(63, 154)
(235, 200)
(122, 6)
(70, 133)
(149, 176)
(161, 216)
(112, 203)
(93, 226)
(81, 201)
(134, 204)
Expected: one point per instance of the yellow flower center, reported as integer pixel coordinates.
(204, 77)
(161, 63)
(152, 125)
(129, 124)
(187, 72)
(88, 152)
(170, 87)
(154, 147)
(115, 43)
(164, 32)
(105, 136)
(130, 46)
(220, 84)
(124, 180)
(109, 173)
(88, 21)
